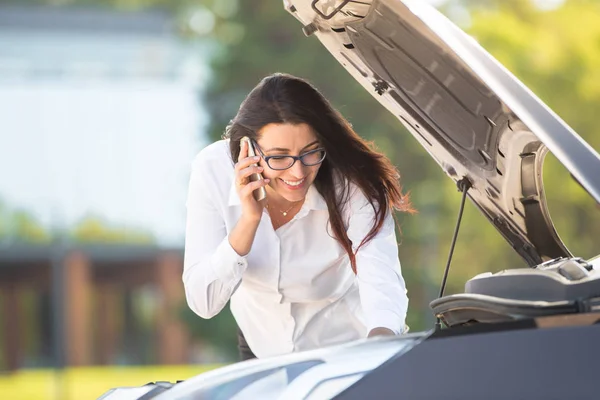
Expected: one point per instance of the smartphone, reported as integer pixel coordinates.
(260, 193)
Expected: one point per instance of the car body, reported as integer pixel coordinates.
(484, 127)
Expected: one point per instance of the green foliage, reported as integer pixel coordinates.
(556, 53)
(23, 226)
(220, 331)
(93, 229)
(3, 220)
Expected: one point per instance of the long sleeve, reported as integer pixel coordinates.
(380, 282)
(212, 269)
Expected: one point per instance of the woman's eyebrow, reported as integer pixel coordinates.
(310, 144)
(282, 149)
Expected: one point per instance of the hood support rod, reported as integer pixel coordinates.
(463, 186)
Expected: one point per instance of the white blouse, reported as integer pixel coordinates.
(295, 290)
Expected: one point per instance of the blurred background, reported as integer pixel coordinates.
(103, 105)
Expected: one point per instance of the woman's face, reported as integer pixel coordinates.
(286, 139)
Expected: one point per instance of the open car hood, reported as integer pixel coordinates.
(472, 115)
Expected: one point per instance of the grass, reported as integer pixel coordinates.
(87, 382)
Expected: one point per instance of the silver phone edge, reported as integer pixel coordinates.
(260, 193)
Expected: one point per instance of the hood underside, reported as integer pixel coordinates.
(472, 116)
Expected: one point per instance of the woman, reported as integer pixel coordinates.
(316, 262)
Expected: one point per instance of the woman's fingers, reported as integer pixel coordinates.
(252, 186)
(243, 176)
(246, 172)
(243, 150)
(246, 162)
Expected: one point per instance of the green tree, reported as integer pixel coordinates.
(3, 220)
(93, 229)
(220, 331)
(23, 226)
(556, 53)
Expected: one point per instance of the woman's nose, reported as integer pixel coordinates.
(297, 170)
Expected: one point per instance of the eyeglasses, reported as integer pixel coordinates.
(280, 163)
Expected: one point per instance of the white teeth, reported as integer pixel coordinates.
(293, 183)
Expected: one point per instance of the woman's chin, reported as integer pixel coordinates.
(292, 197)
(296, 198)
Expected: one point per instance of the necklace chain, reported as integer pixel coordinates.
(285, 213)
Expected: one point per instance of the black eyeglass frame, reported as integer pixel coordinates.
(295, 158)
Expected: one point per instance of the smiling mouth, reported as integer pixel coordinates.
(294, 183)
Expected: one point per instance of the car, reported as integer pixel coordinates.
(528, 333)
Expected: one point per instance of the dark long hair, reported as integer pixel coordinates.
(282, 98)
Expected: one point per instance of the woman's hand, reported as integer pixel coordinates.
(251, 209)
(381, 332)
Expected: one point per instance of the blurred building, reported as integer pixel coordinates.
(91, 304)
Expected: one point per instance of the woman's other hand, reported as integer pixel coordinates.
(381, 332)
(251, 209)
